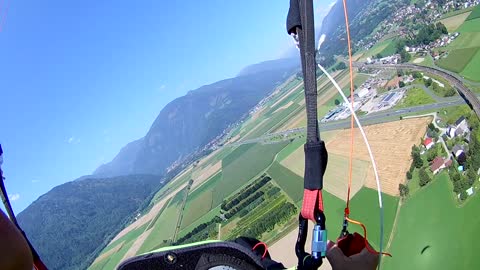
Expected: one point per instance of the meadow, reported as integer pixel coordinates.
(430, 220)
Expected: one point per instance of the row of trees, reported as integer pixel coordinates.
(243, 204)
(268, 221)
(200, 232)
(250, 207)
(400, 49)
(245, 192)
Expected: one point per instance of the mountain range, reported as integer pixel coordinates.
(191, 121)
(72, 222)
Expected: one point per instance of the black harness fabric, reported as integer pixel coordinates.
(203, 256)
(301, 21)
(294, 19)
(316, 159)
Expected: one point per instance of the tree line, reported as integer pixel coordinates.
(267, 222)
(200, 232)
(245, 192)
(243, 204)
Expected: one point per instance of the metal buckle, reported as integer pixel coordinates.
(307, 261)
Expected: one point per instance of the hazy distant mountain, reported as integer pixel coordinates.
(191, 121)
(280, 65)
(67, 224)
(122, 164)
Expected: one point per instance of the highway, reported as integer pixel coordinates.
(388, 115)
(464, 91)
(369, 119)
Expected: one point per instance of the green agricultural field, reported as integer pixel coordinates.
(152, 222)
(472, 69)
(386, 46)
(112, 260)
(451, 114)
(428, 61)
(290, 182)
(475, 14)
(175, 183)
(469, 35)
(239, 151)
(276, 119)
(117, 257)
(364, 208)
(164, 228)
(289, 149)
(415, 97)
(390, 49)
(359, 79)
(430, 219)
(200, 201)
(205, 218)
(458, 59)
(130, 236)
(244, 167)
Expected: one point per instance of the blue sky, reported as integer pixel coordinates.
(80, 79)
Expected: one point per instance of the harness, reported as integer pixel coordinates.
(37, 262)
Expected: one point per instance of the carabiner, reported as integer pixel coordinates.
(308, 261)
(344, 231)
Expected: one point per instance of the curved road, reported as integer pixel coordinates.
(464, 91)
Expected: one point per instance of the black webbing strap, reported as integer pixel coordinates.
(300, 21)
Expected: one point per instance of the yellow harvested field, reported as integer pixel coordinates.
(418, 60)
(213, 154)
(391, 144)
(336, 176)
(284, 107)
(108, 253)
(207, 172)
(149, 216)
(284, 249)
(452, 23)
(136, 245)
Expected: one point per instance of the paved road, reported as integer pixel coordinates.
(464, 92)
(388, 115)
(369, 119)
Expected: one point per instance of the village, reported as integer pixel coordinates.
(397, 25)
(449, 148)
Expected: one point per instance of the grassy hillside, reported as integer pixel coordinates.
(430, 219)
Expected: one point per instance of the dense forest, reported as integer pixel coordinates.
(70, 224)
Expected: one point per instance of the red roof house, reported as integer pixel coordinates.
(439, 163)
(428, 143)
